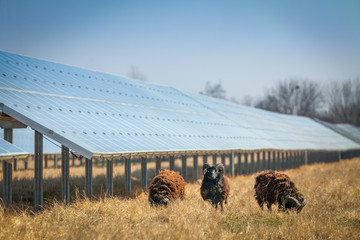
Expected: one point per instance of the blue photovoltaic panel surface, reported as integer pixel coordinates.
(350, 131)
(24, 139)
(8, 149)
(96, 113)
(283, 131)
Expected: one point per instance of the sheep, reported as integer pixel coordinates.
(274, 187)
(215, 186)
(167, 185)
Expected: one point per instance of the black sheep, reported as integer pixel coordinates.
(215, 187)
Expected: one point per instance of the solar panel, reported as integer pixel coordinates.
(351, 131)
(24, 139)
(347, 130)
(8, 150)
(101, 114)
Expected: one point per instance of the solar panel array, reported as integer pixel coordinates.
(96, 113)
(8, 150)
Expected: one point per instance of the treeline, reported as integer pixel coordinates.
(335, 102)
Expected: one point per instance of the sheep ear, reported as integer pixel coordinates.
(205, 167)
(220, 167)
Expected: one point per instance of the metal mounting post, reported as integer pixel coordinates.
(38, 172)
(109, 176)
(88, 177)
(65, 186)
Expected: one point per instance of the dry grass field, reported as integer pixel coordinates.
(333, 210)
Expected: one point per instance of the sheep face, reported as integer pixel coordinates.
(293, 203)
(213, 173)
(160, 197)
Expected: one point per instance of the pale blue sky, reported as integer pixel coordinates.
(248, 45)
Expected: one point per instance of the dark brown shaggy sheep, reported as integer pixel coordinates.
(275, 187)
(215, 186)
(167, 185)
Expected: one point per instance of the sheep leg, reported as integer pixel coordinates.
(216, 205)
(281, 208)
(221, 205)
(261, 204)
(269, 206)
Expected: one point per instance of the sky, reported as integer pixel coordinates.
(247, 45)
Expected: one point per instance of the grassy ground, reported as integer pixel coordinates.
(333, 212)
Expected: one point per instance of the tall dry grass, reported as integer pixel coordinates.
(333, 212)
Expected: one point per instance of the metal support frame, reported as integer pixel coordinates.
(7, 183)
(268, 160)
(252, 162)
(157, 164)
(55, 161)
(288, 160)
(46, 160)
(109, 177)
(297, 159)
(195, 160)
(143, 178)
(204, 158)
(239, 165)
(15, 164)
(65, 186)
(232, 164)
(183, 166)
(26, 163)
(246, 170)
(7, 172)
(128, 174)
(263, 161)
(214, 156)
(172, 162)
(223, 159)
(274, 160)
(88, 177)
(38, 172)
(258, 162)
(304, 158)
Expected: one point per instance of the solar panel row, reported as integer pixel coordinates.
(96, 113)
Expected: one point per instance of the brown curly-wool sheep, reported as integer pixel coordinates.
(275, 187)
(166, 186)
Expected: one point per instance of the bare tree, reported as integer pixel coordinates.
(293, 96)
(344, 102)
(247, 100)
(215, 90)
(134, 73)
